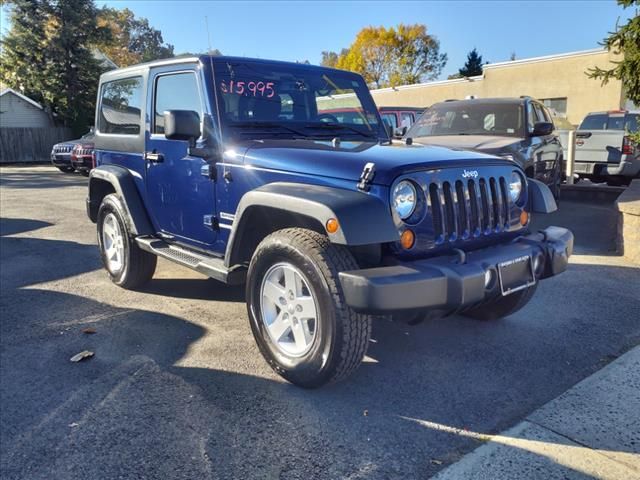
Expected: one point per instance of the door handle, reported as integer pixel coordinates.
(154, 157)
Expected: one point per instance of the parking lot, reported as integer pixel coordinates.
(178, 389)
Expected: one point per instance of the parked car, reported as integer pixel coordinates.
(83, 157)
(399, 119)
(61, 153)
(604, 151)
(520, 129)
(243, 176)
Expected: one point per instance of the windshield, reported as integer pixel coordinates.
(470, 119)
(262, 100)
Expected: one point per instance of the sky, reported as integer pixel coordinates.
(297, 30)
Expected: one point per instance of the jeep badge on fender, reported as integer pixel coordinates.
(256, 174)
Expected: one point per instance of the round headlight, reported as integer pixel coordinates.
(515, 186)
(404, 199)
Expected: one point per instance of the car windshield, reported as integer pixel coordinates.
(262, 100)
(470, 119)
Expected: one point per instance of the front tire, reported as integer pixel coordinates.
(66, 169)
(297, 310)
(502, 306)
(128, 266)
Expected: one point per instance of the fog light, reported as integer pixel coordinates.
(407, 239)
(488, 278)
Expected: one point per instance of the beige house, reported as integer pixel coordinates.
(559, 81)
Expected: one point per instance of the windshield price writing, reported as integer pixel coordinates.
(251, 88)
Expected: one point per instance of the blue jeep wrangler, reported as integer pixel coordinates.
(238, 169)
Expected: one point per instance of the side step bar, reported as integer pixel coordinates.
(209, 266)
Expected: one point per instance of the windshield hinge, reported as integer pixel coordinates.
(368, 172)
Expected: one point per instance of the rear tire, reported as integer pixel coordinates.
(502, 306)
(66, 169)
(128, 266)
(336, 337)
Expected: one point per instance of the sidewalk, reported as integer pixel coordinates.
(590, 431)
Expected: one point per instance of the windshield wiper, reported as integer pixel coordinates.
(266, 126)
(338, 126)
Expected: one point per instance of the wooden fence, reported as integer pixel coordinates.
(30, 144)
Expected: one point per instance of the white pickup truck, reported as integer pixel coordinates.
(604, 151)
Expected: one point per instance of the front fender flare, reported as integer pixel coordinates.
(364, 219)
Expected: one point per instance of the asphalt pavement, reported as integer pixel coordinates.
(178, 389)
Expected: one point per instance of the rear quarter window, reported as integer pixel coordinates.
(121, 107)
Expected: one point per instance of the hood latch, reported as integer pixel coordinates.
(368, 172)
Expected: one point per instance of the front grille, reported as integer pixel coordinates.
(468, 208)
(62, 148)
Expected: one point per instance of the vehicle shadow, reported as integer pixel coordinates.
(13, 226)
(140, 405)
(195, 289)
(29, 177)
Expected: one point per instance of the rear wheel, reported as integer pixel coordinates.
(66, 169)
(296, 307)
(128, 266)
(502, 306)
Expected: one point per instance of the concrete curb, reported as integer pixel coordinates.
(590, 431)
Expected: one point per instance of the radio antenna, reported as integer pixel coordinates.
(206, 22)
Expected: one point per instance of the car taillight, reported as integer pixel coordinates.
(627, 146)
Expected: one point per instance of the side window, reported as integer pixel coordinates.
(406, 119)
(390, 119)
(120, 107)
(596, 121)
(532, 117)
(176, 91)
(540, 113)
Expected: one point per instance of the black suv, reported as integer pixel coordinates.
(520, 129)
(237, 168)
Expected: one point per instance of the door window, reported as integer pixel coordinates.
(390, 119)
(406, 119)
(178, 91)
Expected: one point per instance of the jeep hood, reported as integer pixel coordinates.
(480, 143)
(346, 160)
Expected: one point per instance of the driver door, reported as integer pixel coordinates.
(180, 195)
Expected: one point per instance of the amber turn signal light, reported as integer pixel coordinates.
(524, 218)
(407, 239)
(332, 225)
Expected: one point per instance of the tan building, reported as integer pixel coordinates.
(559, 81)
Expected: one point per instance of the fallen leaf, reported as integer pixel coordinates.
(89, 330)
(81, 356)
(74, 424)
(436, 462)
(365, 413)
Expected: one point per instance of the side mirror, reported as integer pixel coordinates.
(399, 132)
(542, 129)
(182, 125)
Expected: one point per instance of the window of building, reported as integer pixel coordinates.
(120, 107)
(557, 104)
(177, 91)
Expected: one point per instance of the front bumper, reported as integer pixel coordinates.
(445, 283)
(61, 160)
(82, 162)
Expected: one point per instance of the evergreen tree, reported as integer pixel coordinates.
(473, 65)
(47, 56)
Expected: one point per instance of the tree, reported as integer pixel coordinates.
(394, 56)
(47, 55)
(330, 59)
(132, 40)
(473, 65)
(624, 40)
